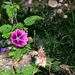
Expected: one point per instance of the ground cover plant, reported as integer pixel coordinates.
(37, 37)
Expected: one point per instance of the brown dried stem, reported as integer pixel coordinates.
(56, 65)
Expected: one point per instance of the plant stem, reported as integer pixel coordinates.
(15, 18)
(56, 65)
(11, 2)
(14, 13)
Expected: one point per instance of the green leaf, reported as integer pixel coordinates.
(18, 26)
(6, 73)
(12, 54)
(5, 28)
(31, 20)
(16, 5)
(28, 46)
(18, 70)
(6, 35)
(57, 62)
(28, 70)
(49, 59)
(7, 2)
(18, 53)
(13, 72)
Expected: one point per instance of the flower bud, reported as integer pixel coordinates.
(65, 16)
(59, 11)
(30, 40)
(60, 0)
(65, 4)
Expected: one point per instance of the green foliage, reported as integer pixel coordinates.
(49, 59)
(5, 28)
(18, 26)
(11, 9)
(31, 20)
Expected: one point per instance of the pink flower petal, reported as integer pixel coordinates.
(19, 33)
(24, 36)
(13, 36)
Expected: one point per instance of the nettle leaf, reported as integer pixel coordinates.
(18, 26)
(28, 70)
(5, 28)
(57, 62)
(31, 20)
(49, 59)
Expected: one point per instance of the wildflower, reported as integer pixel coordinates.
(65, 16)
(65, 4)
(30, 40)
(59, 11)
(4, 49)
(60, 0)
(19, 38)
(59, 4)
(52, 3)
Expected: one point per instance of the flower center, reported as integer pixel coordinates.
(17, 39)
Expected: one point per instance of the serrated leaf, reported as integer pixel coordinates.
(31, 20)
(49, 59)
(5, 28)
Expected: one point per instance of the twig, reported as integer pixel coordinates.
(56, 65)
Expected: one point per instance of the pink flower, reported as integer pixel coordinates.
(19, 38)
(59, 4)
